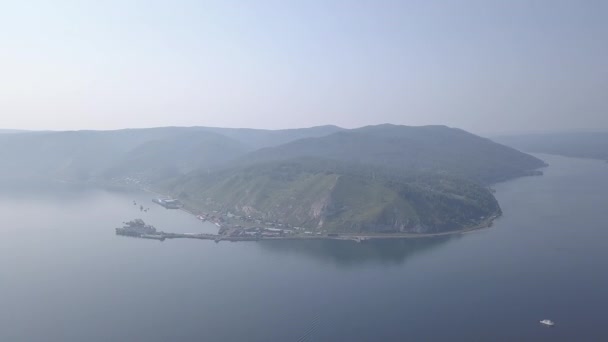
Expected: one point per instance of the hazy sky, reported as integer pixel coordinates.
(485, 66)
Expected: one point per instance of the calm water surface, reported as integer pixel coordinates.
(65, 276)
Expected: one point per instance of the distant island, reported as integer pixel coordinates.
(371, 181)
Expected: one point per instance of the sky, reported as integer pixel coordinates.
(484, 66)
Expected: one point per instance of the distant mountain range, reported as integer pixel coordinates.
(150, 154)
(11, 131)
(583, 145)
(383, 178)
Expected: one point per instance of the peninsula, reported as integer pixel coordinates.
(369, 181)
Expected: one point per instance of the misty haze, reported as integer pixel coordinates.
(303, 171)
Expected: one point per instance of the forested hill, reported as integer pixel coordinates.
(582, 145)
(374, 179)
(384, 178)
(433, 149)
(334, 196)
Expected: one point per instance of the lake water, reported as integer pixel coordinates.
(65, 275)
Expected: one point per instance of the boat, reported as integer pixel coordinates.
(136, 228)
(547, 322)
(168, 203)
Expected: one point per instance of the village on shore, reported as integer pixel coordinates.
(230, 227)
(247, 228)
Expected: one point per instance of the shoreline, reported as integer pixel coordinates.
(344, 237)
(356, 237)
(488, 223)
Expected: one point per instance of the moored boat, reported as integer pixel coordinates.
(547, 322)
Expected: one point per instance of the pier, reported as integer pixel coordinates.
(139, 229)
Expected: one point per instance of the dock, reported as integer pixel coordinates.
(139, 229)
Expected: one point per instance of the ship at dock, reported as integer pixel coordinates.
(169, 203)
(138, 228)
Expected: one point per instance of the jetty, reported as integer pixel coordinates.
(139, 229)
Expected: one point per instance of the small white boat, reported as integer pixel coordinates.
(547, 322)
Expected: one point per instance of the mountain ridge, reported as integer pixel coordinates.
(374, 179)
(385, 178)
(410, 147)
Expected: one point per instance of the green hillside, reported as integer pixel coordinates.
(314, 194)
(374, 179)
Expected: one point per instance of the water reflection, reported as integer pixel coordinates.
(350, 253)
(118, 204)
